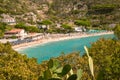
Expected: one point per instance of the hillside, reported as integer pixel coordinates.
(19, 6)
(98, 12)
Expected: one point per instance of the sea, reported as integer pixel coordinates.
(54, 49)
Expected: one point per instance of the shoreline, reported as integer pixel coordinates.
(50, 39)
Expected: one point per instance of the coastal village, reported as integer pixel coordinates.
(19, 36)
(37, 25)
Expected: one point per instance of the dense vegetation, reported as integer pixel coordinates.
(105, 54)
(104, 11)
(3, 28)
(117, 31)
(82, 23)
(97, 12)
(27, 28)
(16, 66)
(17, 7)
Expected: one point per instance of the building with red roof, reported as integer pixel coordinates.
(15, 33)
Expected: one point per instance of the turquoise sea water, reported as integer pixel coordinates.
(54, 49)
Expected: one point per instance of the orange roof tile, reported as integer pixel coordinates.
(15, 31)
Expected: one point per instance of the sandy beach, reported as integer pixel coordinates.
(56, 38)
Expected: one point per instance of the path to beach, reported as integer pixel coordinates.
(56, 37)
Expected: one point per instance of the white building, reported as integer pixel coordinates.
(78, 29)
(43, 26)
(58, 25)
(7, 19)
(18, 33)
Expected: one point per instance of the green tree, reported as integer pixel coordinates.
(32, 29)
(105, 54)
(45, 22)
(117, 31)
(14, 66)
(67, 28)
(82, 23)
(1, 34)
(20, 25)
(3, 28)
(27, 28)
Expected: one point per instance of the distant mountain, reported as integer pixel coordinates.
(102, 11)
(19, 6)
(98, 11)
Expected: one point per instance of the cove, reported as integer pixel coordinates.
(54, 49)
